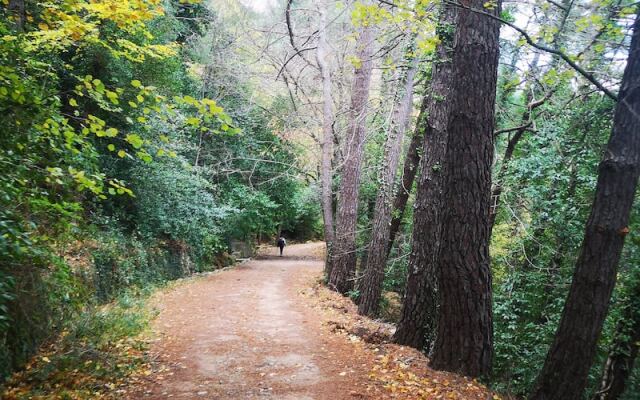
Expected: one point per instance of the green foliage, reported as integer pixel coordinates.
(547, 196)
(303, 220)
(115, 169)
(255, 212)
(93, 354)
(39, 302)
(624, 317)
(174, 201)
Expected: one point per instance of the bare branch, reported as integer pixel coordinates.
(513, 129)
(291, 35)
(299, 52)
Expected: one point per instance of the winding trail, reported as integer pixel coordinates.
(247, 333)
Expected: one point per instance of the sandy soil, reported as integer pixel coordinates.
(248, 333)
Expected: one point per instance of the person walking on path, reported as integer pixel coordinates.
(281, 243)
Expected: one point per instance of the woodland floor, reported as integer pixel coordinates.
(267, 329)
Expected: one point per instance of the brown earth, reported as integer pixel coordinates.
(266, 330)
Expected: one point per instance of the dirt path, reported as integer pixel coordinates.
(247, 333)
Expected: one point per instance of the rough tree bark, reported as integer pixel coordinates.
(326, 173)
(418, 306)
(371, 285)
(565, 371)
(343, 258)
(464, 339)
(451, 223)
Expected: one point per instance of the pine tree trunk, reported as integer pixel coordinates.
(451, 221)
(566, 368)
(326, 174)
(371, 286)
(464, 339)
(343, 255)
(418, 307)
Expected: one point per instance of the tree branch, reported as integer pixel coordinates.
(513, 129)
(291, 35)
(588, 76)
(298, 52)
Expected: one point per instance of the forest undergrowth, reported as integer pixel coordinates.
(92, 357)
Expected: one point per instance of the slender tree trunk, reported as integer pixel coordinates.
(411, 162)
(326, 174)
(566, 368)
(344, 247)
(626, 343)
(618, 369)
(496, 192)
(527, 116)
(451, 222)
(371, 286)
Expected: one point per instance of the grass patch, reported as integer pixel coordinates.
(94, 356)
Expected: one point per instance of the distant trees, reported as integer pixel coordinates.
(411, 163)
(326, 170)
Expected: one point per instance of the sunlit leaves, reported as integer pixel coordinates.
(415, 17)
(145, 105)
(66, 24)
(193, 121)
(119, 188)
(355, 61)
(490, 5)
(135, 140)
(368, 14)
(428, 45)
(205, 114)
